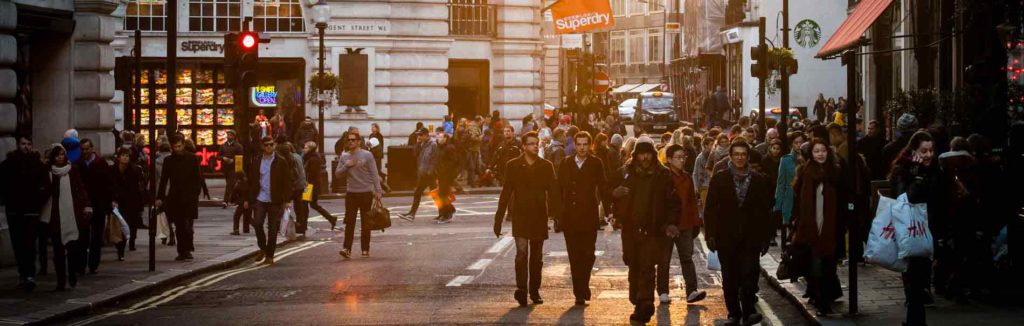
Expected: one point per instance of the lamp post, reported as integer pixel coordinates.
(321, 13)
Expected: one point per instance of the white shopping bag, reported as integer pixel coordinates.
(163, 228)
(713, 263)
(288, 224)
(913, 237)
(882, 248)
(124, 224)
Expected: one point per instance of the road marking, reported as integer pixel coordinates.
(480, 264)
(616, 294)
(460, 280)
(500, 245)
(176, 292)
(597, 253)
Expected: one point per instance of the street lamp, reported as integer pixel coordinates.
(321, 13)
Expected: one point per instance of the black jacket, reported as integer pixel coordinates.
(282, 179)
(315, 168)
(734, 227)
(180, 184)
(25, 180)
(529, 195)
(131, 195)
(99, 182)
(924, 185)
(582, 191)
(665, 201)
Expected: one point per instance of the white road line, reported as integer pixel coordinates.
(480, 264)
(460, 280)
(172, 294)
(768, 312)
(500, 245)
(597, 253)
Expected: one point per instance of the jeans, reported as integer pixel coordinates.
(183, 234)
(684, 245)
(422, 183)
(529, 262)
(357, 202)
(23, 241)
(271, 214)
(315, 205)
(243, 215)
(580, 246)
(740, 270)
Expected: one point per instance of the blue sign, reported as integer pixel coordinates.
(264, 96)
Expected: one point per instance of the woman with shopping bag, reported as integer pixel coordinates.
(817, 223)
(916, 174)
(131, 197)
(67, 211)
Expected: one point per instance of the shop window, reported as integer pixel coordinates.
(214, 15)
(278, 16)
(145, 15)
(654, 46)
(637, 7)
(471, 17)
(617, 47)
(637, 45)
(619, 8)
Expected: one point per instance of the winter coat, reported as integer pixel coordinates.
(447, 161)
(305, 133)
(180, 183)
(784, 187)
(555, 152)
(99, 182)
(688, 218)
(282, 179)
(583, 189)
(923, 185)
(823, 242)
(735, 227)
(24, 183)
(529, 195)
(871, 147)
(227, 154)
(315, 169)
(131, 198)
(80, 198)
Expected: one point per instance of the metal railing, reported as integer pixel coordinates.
(472, 18)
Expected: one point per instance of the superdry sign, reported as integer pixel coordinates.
(574, 16)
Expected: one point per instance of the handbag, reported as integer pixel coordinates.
(163, 228)
(713, 263)
(288, 224)
(379, 218)
(113, 233)
(795, 262)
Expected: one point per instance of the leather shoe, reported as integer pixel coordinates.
(521, 298)
(753, 319)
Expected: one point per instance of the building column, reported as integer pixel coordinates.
(93, 112)
(8, 79)
(518, 60)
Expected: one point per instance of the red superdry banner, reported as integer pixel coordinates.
(574, 16)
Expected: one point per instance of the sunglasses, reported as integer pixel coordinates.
(353, 139)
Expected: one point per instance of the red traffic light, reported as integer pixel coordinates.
(249, 40)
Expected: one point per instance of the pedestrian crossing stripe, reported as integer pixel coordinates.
(597, 253)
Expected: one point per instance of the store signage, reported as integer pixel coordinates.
(572, 41)
(359, 27)
(264, 96)
(807, 33)
(574, 16)
(202, 46)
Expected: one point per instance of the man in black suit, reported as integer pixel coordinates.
(738, 226)
(98, 177)
(181, 171)
(584, 187)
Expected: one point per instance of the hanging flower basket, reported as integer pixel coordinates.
(329, 83)
(778, 56)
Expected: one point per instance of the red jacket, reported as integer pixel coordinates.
(689, 219)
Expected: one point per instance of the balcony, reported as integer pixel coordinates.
(472, 18)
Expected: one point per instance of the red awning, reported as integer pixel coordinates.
(848, 34)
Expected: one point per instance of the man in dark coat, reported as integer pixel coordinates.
(510, 148)
(584, 187)
(98, 177)
(447, 170)
(530, 196)
(871, 146)
(181, 171)
(645, 199)
(271, 183)
(426, 153)
(738, 226)
(906, 125)
(315, 168)
(23, 194)
(229, 151)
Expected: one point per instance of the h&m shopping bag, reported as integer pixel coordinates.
(882, 247)
(913, 237)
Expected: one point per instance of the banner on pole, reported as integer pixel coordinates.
(574, 16)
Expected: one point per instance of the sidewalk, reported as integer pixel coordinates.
(216, 187)
(880, 300)
(117, 280)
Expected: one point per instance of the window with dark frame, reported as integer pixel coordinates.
(278, 16)
(471, 18)
(214, 15)
(145, 15)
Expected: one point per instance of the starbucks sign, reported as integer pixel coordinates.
(807, 33)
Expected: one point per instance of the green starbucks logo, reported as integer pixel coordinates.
(807, 33)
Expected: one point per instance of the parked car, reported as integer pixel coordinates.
(656, 112)
(776, 113)
(626, 110)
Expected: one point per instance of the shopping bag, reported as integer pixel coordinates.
(882, 249)
(913, 237)
(379, 217)
(163, 228)
(713, 263)
(124, 224)
(288, 224)
(796, 262)
(113, 233)
(441, 202)
(307, 195)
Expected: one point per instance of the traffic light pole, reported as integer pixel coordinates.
(784, 88)
(763, 74)
(320, 88)
(850, 59)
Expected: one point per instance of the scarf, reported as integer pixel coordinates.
(65, 205)
(741, 182)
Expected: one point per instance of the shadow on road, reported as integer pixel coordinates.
(574, 315)
(517, 315)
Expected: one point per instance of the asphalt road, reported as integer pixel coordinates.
(418, 273)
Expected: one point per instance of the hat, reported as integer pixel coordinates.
(906, 123)
(643, 147)
(616, 141)
(566, 118)
(422, 131)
